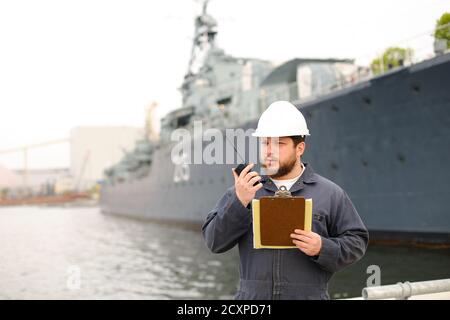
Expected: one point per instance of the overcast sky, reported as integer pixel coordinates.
(72, 63)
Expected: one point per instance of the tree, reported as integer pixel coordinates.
(442, 31)
(391, 58)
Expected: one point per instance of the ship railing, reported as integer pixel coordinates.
(417, 49)
(436, 289)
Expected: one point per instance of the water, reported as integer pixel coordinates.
(117, 258)
(80, 253)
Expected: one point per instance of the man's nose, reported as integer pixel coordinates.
(268, 149)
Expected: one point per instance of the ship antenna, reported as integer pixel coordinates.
(205, 5)
(204, 39)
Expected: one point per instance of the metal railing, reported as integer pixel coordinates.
(405, 290)
(417, 49)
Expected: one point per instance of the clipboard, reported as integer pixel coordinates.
(275, 218)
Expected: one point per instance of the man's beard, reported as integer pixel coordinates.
(284, 168)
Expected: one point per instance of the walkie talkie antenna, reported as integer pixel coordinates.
(234, 147)
(240, 166)
(220, 107)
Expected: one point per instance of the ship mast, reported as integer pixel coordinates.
(204, 40)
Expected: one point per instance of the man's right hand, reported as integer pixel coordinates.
(245, 191)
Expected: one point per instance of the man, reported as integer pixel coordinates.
(338, 237)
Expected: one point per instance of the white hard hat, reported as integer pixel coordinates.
(281, 119)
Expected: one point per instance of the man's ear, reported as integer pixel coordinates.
(301, 149)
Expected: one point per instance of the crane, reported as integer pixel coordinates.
(25, 149)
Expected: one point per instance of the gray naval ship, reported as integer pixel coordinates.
(385, 139)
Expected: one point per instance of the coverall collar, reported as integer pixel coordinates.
(306, 177)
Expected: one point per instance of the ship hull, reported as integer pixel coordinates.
(385, 141)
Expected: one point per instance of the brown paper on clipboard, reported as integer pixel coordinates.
(275, 218)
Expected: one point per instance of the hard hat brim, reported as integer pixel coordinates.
(287, 134)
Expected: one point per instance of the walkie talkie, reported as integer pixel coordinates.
(241, 166)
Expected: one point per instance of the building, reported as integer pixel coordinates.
(93, 149)
(8, 180)
(44, 181)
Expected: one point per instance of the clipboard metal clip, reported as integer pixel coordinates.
(283, 192)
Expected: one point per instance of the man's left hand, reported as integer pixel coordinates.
(308, 242)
